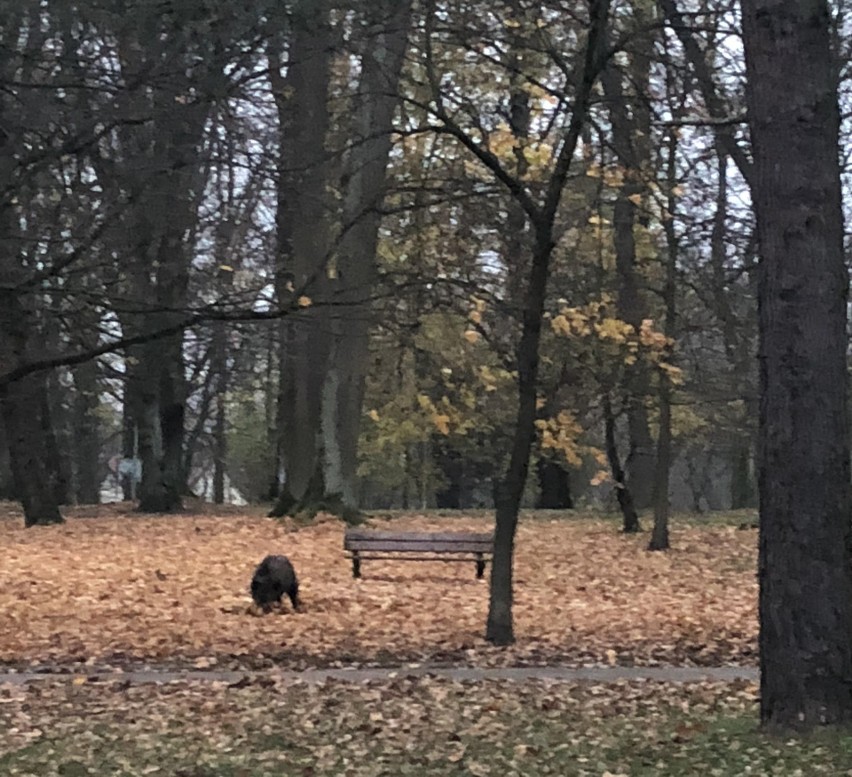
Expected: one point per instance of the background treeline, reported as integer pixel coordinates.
(284, 251)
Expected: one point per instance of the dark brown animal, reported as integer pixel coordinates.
(273, 578)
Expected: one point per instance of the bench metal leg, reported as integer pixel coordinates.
(480, 566)
(356, 564)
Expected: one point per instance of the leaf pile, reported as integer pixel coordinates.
(122, 589)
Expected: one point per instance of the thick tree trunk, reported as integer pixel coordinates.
(804, 558)
(451, 464)
(55, 442)
(554, 486)
(631, 132)
(303, 237)
(22, 410)
(21, 402)
(7, 486)
(159, 427)
(23, 407)
(87, 434)
(381, 64)
(154, 494)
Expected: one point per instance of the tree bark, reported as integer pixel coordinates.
(303, 242)
(130, 403)
(22, 402)
(7, 486)
(22, 410)
(219, 368)
(742, 480)
(451, 464)
(631, 134)
(630, 518)
(554, 486)
(804, 549)
(157, 168)
(660, 532)
(355, 261)
(499, 627)
(87, 434)
(55, 439)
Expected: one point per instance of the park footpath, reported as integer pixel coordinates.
(563, 674)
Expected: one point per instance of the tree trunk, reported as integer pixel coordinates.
(381, 65)
(23, 420)
(156, 494)
(742, 480)
(7, 486)
(631, 133)
(87, 434)
(130, 404)
(57, 457)
(804, 550)
(451, 464)
(554, 486)
(660, 532)
(629, 515)
(158, 169)
(219, 368)
(303, 237)
(24, 402)
(499, 626)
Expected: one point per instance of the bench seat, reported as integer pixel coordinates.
(365, 545)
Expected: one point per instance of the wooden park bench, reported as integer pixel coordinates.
(367, 545)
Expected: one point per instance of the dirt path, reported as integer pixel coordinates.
(602, 674)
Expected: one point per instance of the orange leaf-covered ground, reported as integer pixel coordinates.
(114, 588)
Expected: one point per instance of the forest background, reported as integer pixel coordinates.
(292, 238)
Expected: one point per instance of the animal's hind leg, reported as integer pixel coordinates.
(294, 596)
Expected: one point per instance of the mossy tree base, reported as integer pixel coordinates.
(315, 501)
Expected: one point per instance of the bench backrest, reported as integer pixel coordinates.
(434, 542)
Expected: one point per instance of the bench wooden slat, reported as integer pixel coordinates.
(454, 546)
(413, 558)
(412, 546)
(418, 536)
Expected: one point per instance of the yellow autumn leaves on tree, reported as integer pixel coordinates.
(612, 338)
(563, 433)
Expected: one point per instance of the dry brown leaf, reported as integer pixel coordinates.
(121, 589)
